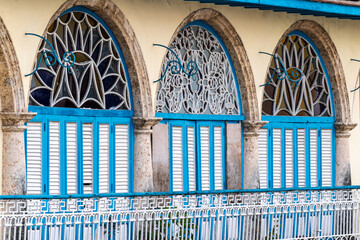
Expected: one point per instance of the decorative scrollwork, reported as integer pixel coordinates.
(355, 60)
(206, 85)
(176, 67)
(282, 72)
(67, 61)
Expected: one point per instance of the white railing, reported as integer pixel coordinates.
(317, 214)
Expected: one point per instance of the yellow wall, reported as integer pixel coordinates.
(154, 21)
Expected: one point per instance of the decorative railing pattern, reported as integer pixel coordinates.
(302, 214)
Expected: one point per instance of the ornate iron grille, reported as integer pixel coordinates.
(98, 78)
(211, 90)
(310, 96)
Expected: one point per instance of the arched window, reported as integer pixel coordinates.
(196, 107)
(297, 146)
(82, 137)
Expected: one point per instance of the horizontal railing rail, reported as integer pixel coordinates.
(311, 213)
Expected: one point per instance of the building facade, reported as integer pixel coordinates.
(165, 96)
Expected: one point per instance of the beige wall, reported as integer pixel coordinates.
(154, 21)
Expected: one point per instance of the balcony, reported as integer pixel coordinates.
(325, 213)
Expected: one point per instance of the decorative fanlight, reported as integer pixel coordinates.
(50, 57)
(176, 67)
(282, 73)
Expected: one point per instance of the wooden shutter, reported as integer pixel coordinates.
(177, 159)
(313, 158)
(121, 158)
(191, 158)
(289, 160)
(205, 157)
(54, 158)
(326, 157)
(103, 158)
(71, 157)
(87, 157)
(301, 158)
(277, 171)
(263, 157)
(218, 158)
(34, 157)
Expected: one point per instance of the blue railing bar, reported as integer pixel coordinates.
(143, 194)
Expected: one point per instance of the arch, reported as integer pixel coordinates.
(237, 52)
(332, 62)
(12, 94)
(130, 47)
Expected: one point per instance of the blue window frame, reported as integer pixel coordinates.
(297, 146)
(81, 140)
(197, 107)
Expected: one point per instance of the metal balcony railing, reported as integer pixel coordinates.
(284, 214)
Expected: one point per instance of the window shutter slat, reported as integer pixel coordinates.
(54, 158)
(301, 158)
(218, 160)
(313, 158)
(71, 157)
(34, 158)
(326, 156)
(103, 158)
(276, 158)
(87, 158)
(177, 158)
(289, 158)
(121, 158)
(263, 157)
(191, 158)
(205, 158)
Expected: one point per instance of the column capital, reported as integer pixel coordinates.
(251, 127)
(342, 129)
(14, 122)
(144, 125)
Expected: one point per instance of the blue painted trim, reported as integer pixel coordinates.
(319, 163)
(304, 7)
(181, 116)
(223, 132)
(307, 38)
(63, 163)
(286, 119)
(107, 28)
(45, 155)
(96, 155)
(185, 155)
(138, 194)
(112, 164)
(79, 112)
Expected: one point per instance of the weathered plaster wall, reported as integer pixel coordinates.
(154, 21)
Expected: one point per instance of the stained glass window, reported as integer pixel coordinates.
(97, 80)
(311, 96)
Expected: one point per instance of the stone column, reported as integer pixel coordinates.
(251, 159)
(342, 153)
(143, 171)
(13, 155)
